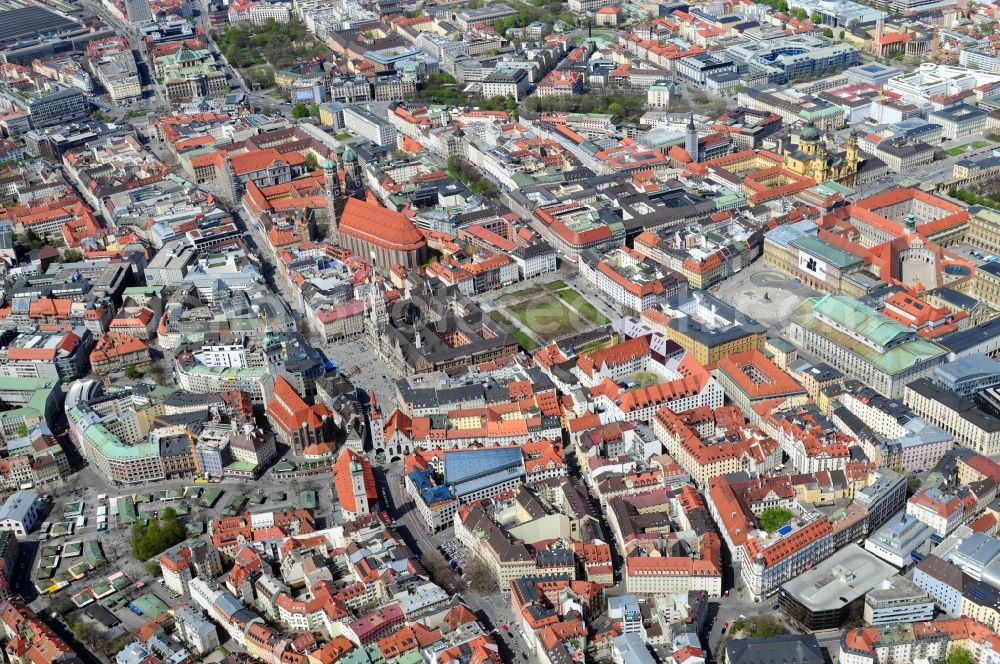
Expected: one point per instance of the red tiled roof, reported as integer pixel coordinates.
(116, 344)
(258, 160)
(343, 483)
(383, 227)
(617, 354)
(290, 412)
(758, 376)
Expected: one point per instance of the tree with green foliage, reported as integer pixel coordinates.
(644, 378)
(628, 108)
(30, 239)
(959, 655)
(469, 175)
(441, 88)
(86, 633)
(61, 604)
(261, 78)
(912, 481)
(828, 33)
(131, 371)
(22, 431)
(276, 44)
(300, 111)
(72, 256)
(816, 18)
(486, 188)
(773, 518)
(116, 645)
(454, 166)
(158, 375)
(157, 535)
(969, 197)
(765, 627)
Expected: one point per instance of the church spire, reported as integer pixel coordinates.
(691, 139)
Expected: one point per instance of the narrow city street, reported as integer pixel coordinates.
(493, 610)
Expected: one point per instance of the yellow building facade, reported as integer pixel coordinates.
(812, 159)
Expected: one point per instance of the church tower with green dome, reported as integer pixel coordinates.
(352, 173)
(812, 158)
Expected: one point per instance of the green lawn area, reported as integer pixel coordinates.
(343, 137)
(550, 312)
(520, 337)
(580, 303)
(523, 340)
(548, 319)
(965, 147)
(774, 517)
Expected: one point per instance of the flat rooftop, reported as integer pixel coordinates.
(468, 471)
(839, 580)
(896, 589)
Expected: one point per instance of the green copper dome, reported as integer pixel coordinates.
(809, 133)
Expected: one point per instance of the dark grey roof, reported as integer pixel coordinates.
(181, 399)
(788, 649)
(942, 570)
(99, 613)
(422, 396)
(904, 148)
(959, 113)
(338, 385)
(823, 372)
(742, 325)
(962, 340)
(983, 594)
(32, 21)
(458, 394)
(952, 296)
(539, 381)
(533, 250)
(557, 557)
(967, 409)
(302, 358)
(173, 446)
(992, 267)
(192, 420)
